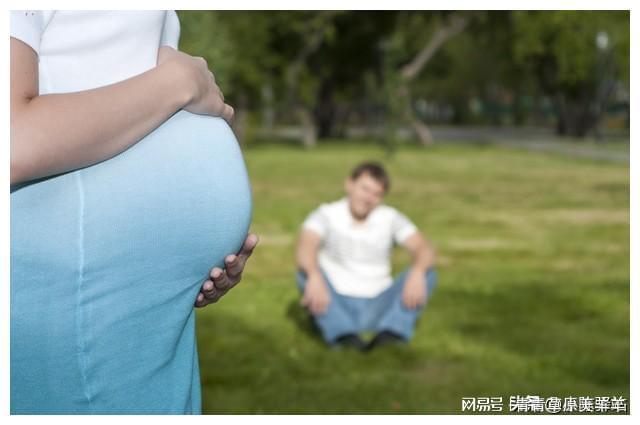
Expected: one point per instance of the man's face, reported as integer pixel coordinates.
(364, 194)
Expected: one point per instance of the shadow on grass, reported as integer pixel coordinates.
(306, 326)
(304, 322)
(281, 365)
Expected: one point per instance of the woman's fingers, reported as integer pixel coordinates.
(216, 88)
(220, 279)
(209, 290)
(207, 97)
(205, 298)
(235, 266)
(248, 246)
(227, 113)
(209, 294)
(247, 249)
(207, 287)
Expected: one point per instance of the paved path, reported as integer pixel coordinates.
(572, 150)
(530, 138)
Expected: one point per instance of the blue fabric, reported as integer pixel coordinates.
(386, 311)
(106, 263)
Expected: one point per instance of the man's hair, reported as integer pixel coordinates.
(375, 170)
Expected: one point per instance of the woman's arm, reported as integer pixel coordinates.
(55, 133)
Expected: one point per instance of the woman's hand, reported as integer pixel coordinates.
(220, 281)
(203, 96)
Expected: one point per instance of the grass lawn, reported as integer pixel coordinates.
(532, 297)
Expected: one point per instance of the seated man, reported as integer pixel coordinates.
(343, 256)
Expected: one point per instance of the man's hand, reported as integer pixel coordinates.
(414, 293)
(316, 294)
(220, 281)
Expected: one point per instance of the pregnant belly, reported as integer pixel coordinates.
(172, 206)
(121, 249)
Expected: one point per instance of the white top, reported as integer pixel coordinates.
(356, 257)
(81, 50)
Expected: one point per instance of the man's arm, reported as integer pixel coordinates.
(414, 293)
(316, 294)
(307, 252)
(422, 253)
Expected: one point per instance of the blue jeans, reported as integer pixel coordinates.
(386, 311)
(106, 263)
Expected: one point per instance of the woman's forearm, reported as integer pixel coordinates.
(55, 133)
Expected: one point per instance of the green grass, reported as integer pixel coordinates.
(532, 298)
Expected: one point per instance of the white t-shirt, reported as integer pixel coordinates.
(82, 50)
(356, 257)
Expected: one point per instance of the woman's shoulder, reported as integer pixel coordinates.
(28, 26)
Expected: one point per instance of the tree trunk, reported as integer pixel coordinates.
(268, 112)
(409, 72)
(422, 131)
(419, 128)
(574, 117)
(315, 38)
(325, 110)
(309, 139)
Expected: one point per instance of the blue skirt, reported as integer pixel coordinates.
(106, 263)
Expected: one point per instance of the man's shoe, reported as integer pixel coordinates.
(385, 338)
(351, 341)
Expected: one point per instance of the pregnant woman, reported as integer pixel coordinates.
(127, 187)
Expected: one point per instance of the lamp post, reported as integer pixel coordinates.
(599, 106)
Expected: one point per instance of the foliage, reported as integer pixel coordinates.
(236, 46)
(502, 62)
(568, 40)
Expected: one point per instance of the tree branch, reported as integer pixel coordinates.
(313, 44)
(456, 24)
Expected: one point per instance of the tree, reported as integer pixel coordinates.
(312, 32)
(325, 69)
(422, 35)
(256, 54)
(576, 57)
(343, 64)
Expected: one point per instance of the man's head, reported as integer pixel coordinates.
(365, 187)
